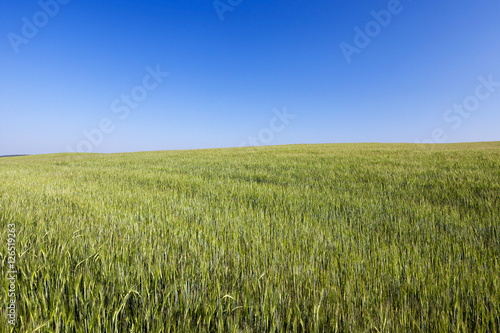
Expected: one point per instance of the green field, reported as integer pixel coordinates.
(316, 238)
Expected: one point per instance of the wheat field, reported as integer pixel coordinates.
(297, 238)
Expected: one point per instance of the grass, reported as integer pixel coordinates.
(316, 238)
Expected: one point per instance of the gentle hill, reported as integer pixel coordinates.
(327, 237)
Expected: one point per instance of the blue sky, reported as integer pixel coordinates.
(233, 66)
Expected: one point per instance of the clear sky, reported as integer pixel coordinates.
(92, 75)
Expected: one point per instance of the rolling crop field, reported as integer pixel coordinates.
(298, 238)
